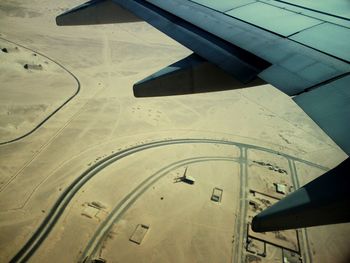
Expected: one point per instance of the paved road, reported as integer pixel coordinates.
(57, 109)
(104, 228)
(58, 208)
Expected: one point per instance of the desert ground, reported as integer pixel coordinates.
(89, 173)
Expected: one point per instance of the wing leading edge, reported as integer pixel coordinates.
(295, 57)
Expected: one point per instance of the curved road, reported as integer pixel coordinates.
(56, 110)
(118, 211)
(58, 208)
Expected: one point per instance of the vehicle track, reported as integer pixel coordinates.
(62, 202)
(57, 109)
(241, 216)
(118, 211)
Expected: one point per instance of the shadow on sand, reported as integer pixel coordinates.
(204, 77)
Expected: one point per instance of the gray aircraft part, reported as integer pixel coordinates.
(299, 47)
(323, 201)
(190, 75)
(96, 12)
(328, 106)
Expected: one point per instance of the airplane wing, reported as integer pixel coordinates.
(300, 47)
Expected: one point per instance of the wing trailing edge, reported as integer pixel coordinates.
(241, 64)
(95, 12)
(247, 52)
(190, 75)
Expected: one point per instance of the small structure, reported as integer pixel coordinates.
(291, 257)
(90, 211)
(33, 66)
(139, 233)
(94, 210)
(99, 260)
(185, 178)
(281, 188)
(256, 246)
(216, 196)
(255, 206)
(89, 259)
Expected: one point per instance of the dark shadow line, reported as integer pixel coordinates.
(64, 199)
(56, 110)
(130, 200)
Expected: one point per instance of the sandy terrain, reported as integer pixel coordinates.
(81, 152)
(33, 88)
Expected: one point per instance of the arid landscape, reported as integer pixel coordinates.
(89, 173)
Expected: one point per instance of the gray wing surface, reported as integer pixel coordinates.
(301, 47)
(293, 51)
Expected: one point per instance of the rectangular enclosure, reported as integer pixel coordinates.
(139, 233)
(216, 195)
